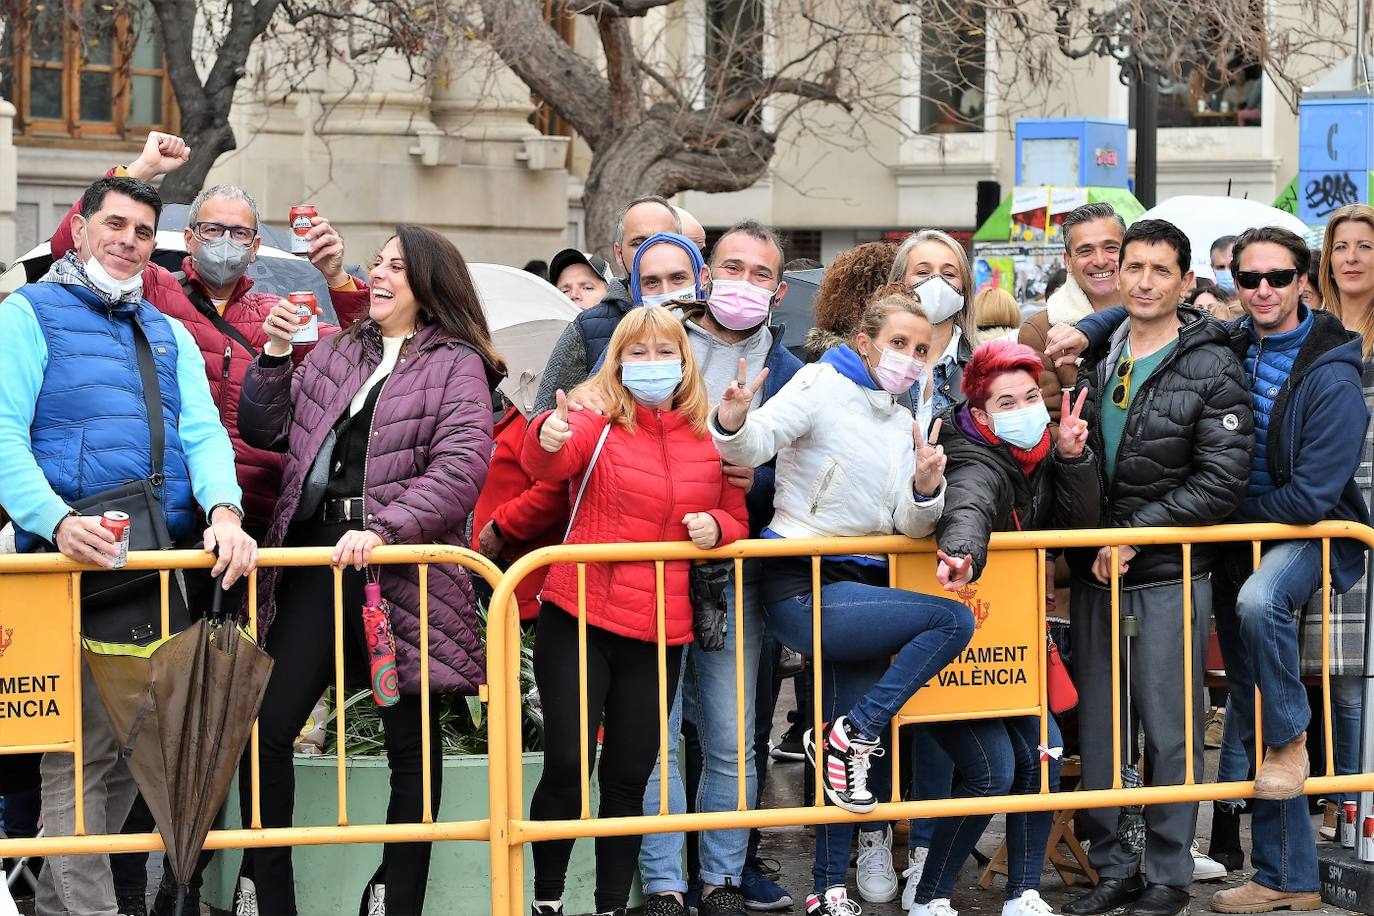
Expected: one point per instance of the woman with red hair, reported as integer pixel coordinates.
(1005, 472)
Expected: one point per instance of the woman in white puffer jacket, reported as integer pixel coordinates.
(851, 462)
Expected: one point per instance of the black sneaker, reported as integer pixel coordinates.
(846, 766)
(723, 901)
(663, 905)
(545, 910)
(131, 905)
(789, 746)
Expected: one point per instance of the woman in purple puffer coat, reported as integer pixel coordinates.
(387, 433)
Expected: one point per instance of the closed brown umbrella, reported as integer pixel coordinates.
(182, 709)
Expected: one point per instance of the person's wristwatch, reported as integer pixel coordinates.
(230, 506)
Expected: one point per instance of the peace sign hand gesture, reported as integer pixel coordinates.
(734, 403)
(953, 573)
(930, 460)
(1073, 431)
(556, 432)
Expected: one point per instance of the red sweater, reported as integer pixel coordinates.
(531, 514)
(259, 471)
(636, 493)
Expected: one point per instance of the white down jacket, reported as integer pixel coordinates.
(845, 458)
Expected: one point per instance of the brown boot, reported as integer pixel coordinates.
(1256, 898)
(1284, 770)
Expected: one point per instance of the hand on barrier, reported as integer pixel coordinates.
(1064, 344)
(556, 432)
(702, 529)
(585, 398)
(1102, 566)
(930, 460)
(734, 403)
(280, 325)
(355, 548)
(737, 476)
(82, 538)
(162, 153)
(1073, 431)
(237, 552)
(953, 572)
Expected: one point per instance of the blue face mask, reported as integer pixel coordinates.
(652, 381)
(1225, 280)
(1024, 427)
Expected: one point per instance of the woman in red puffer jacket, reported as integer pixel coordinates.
(651, 474)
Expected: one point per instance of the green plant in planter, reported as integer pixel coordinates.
(462, 720)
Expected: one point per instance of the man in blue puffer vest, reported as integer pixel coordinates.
(1305, 373)
(73, 423)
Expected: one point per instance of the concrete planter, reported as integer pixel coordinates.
(330, 879)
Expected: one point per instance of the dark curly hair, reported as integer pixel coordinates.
(849, 283)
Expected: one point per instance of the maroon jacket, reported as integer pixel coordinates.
(426, 464)
(226, 361)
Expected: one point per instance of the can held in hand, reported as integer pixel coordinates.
(300, 227)
(1367, 841)
(117, 523)
(309, 322)
(1349, 817)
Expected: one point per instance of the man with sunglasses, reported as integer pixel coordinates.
(1169, 413)
(1304, 372)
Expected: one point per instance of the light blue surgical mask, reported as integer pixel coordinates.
(652, 381)
(1225, 280)
(1023, 427)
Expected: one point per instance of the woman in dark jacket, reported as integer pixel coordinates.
(1005, 473)
(387, 431)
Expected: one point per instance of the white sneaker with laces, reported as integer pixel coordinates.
(1206, 868)
(937, 907)
(834, 902)
(376, 900)
(247, 903)
(915, 865)
(1030, 903)
(877, 878)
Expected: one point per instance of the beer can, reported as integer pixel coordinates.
(1349, 814)
(300, 226)
(117, 523)
(309, 323)
(1367, 840)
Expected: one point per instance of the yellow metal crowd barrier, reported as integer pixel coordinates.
(39, 624)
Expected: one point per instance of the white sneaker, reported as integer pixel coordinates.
(247, 902)
(915, 865)
(1030, 903)
(876, 877)
(937, 907)
(1205, 868)
(376, 900)
(834, 902)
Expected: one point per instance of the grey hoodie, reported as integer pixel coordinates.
(719, 361)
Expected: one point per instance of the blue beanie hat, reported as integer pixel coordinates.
(667, 238)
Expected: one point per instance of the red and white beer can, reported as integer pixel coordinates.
(309, 323)
(300, 226)
(117, 523)
(1367, 840)
(1349, 817)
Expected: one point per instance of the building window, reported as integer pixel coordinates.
(734, 51)
(1220, 94)
(104, 79)
(953, 67)
(547, 121)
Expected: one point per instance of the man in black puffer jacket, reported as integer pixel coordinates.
(1169, 412)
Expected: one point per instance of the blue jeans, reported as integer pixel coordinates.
(708, 701)
(1347, 702)
(992, 757)
(932, 776)
(660, 854)
(1259, 642)
(1233, 764)
(880, 646)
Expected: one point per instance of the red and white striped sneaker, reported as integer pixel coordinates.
(834, 902)
(846, 766)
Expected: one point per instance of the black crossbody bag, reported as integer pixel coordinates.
(126, 607)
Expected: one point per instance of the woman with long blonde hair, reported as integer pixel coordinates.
(646, 471)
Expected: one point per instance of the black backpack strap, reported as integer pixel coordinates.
(208, 309)
(152, 399)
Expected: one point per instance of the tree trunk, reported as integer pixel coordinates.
(618, 174)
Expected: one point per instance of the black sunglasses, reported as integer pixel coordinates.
(1278, 279)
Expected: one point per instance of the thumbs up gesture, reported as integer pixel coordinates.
(555, 432)
(930, 460)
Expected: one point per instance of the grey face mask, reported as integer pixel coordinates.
(222, 261)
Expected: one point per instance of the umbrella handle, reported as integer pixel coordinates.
(217, 602)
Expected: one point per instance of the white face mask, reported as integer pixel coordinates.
(940, 300)
(685, 294)
(115, 290)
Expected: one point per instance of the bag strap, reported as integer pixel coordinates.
(207, 308)
(586, 475)
(152, 399)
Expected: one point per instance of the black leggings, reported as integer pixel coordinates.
(623, 689)
(302, 642)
